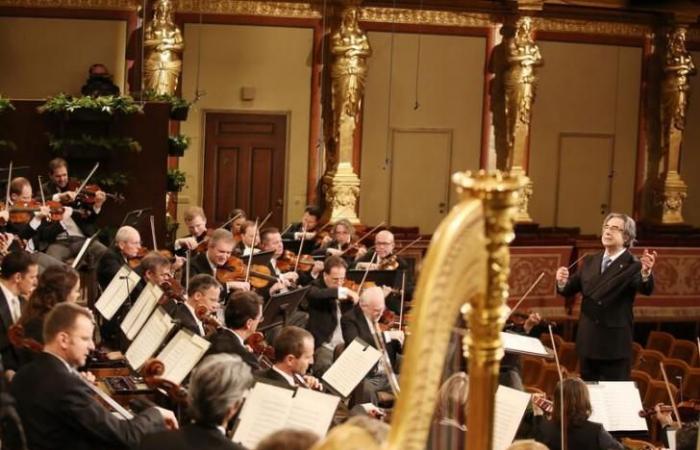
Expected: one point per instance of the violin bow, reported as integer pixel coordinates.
(9, 179)
(230, 220)
(386, 362)
(403, 249)
(153, 232)
(562, 411)
(41, 191)
(364, 236)
(517, 304)
(85, 181)
(252, 248)
(670, 396)
(403, 290)
(187, 271)
(364, 277)
(286, 229)
(301, 247)
(262, 224)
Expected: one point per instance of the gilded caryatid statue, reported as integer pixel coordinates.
(678, 66)
(350, 48)
(522, 56)
(163, 43)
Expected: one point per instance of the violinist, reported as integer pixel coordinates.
(155, 269)
(294, 353)
(271, 240)
(127, 244)
(309, 221)
(250, 239)
(343, 236)
(361, 322)
(328, 301)
(203, 290)
(196, 223)
(218, 252)
(77, 224)
(57, 408)
(510, 370)
(217, 388)
(240, 218)
(242, 315)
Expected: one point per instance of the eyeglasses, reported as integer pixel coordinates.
(613, 228)
(377, 244)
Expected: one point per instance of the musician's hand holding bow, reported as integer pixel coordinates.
(238, 285)
(67, 197)
(89, 377)
(532, 320)
(648, 259)
(312, 382)
(168, 418)
(190, 243)
(562, 276)
(100, 198)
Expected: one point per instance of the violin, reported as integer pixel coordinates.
(689, 410)
(234, 269)
(152, 373)
(23, 212)
(264, 351)
(172, 290)
(210, 322)
(388, 321)
(289, 260)
(517, 318)
(17, 338)
(388, 263)
(87, 195)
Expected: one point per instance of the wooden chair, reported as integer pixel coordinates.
(676, 371)
(686, 351)
(547, 341)
(649, 362)
(636, 348)
(531, 367)
(661, 341)
(549, 377)
(657, 393)
(642, 379)
(691, 383)
(568, 357)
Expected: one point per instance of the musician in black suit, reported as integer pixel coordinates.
(78, 223)
(203, 292)
(127, 243)
(57, 408)
(242, 315)
(328, 301)
(196, 223)
(361, 322)
(250, 239)
(294, 353)
(18, 280)
(216, 393)
(608, 281)
(309, 221)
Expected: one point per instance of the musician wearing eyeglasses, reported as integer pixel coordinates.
(294, 354)
(608, 281)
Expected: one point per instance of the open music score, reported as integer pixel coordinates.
(149, 338)
(351, 367)
(141, 311)
(518, 343)
(117, 292)
(181, 354)
(270, 408)
(616, 404)
(509, 410)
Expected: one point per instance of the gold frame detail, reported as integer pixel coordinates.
(425, 17)
(249, 8)
(111, 5)
(591, 27)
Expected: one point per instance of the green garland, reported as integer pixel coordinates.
(109, 104)
(5, 104)
(96, 144)
(175, 102)
(177, 179)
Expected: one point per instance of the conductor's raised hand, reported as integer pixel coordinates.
(648, 259)
(562, 275)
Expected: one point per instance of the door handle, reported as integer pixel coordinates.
(603, 208)
(278, 203)
(442, 207)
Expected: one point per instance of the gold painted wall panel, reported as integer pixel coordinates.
(584, 89)
(41, 57)
(449, 95)
(690, 151)
(273, 60)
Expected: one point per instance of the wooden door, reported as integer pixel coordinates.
(244, 165)
(584, 181)
(420, 178)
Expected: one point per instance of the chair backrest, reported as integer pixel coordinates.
(661, 341)
(691, 383)
(657, 393)
(636, 348)
(648, 361)
(531, 368)
(549, 377)
(685, 350)
(568, 357)
(676, 371)
(547, 341)
(642, 379)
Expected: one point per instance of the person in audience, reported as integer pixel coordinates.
(242, 316)
(609, 281)
(196, 223)
(294, 353)
(202, 300)
(99, 82)
(288, 439)
(18, 280)
(581, 433)
(328, 300)
(216, 392)
(54, 402)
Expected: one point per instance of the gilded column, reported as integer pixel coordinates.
(350, 49)
(163, 44)
(670, 190)
(522, 56)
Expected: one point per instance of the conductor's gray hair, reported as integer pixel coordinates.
(629, 231)
(217, 384)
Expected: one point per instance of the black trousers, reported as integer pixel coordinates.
(605, 369)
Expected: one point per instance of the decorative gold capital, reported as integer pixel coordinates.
(669, 196)
(522, 214)
(163, 43)
(341, 191)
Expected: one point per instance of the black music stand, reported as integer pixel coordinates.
(261, 259)
(280, 307)
(137, 219)
(378, 277)
(293, 245)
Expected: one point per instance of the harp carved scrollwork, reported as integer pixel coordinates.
(467, 262)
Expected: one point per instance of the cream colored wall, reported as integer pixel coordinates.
(450, 98)
(589, 91)
(273, 60)
(42, 57)
(690, 151)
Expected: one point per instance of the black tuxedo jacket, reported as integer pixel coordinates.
(190, 437)
(200, 264)
(224, 341)
(182, 315)
(58, 411)
(84, 218)
(586, 436)
(10, 357)
(108, 266)
(354, 324)
(271, 376)
(606, 323)
(393, 301)
(322, 304)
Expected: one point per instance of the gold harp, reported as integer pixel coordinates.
(467, 262)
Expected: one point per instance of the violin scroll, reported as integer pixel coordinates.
(152, 373)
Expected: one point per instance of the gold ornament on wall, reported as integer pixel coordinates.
(163, 43)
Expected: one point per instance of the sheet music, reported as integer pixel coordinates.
(616, 404)
(671, 438)
(270, 408)
(181, 354)
(149, 338)
(142, 309)
(523, 344)
(82, 250)
(509, 409)
(117, 292)
(351, 367)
